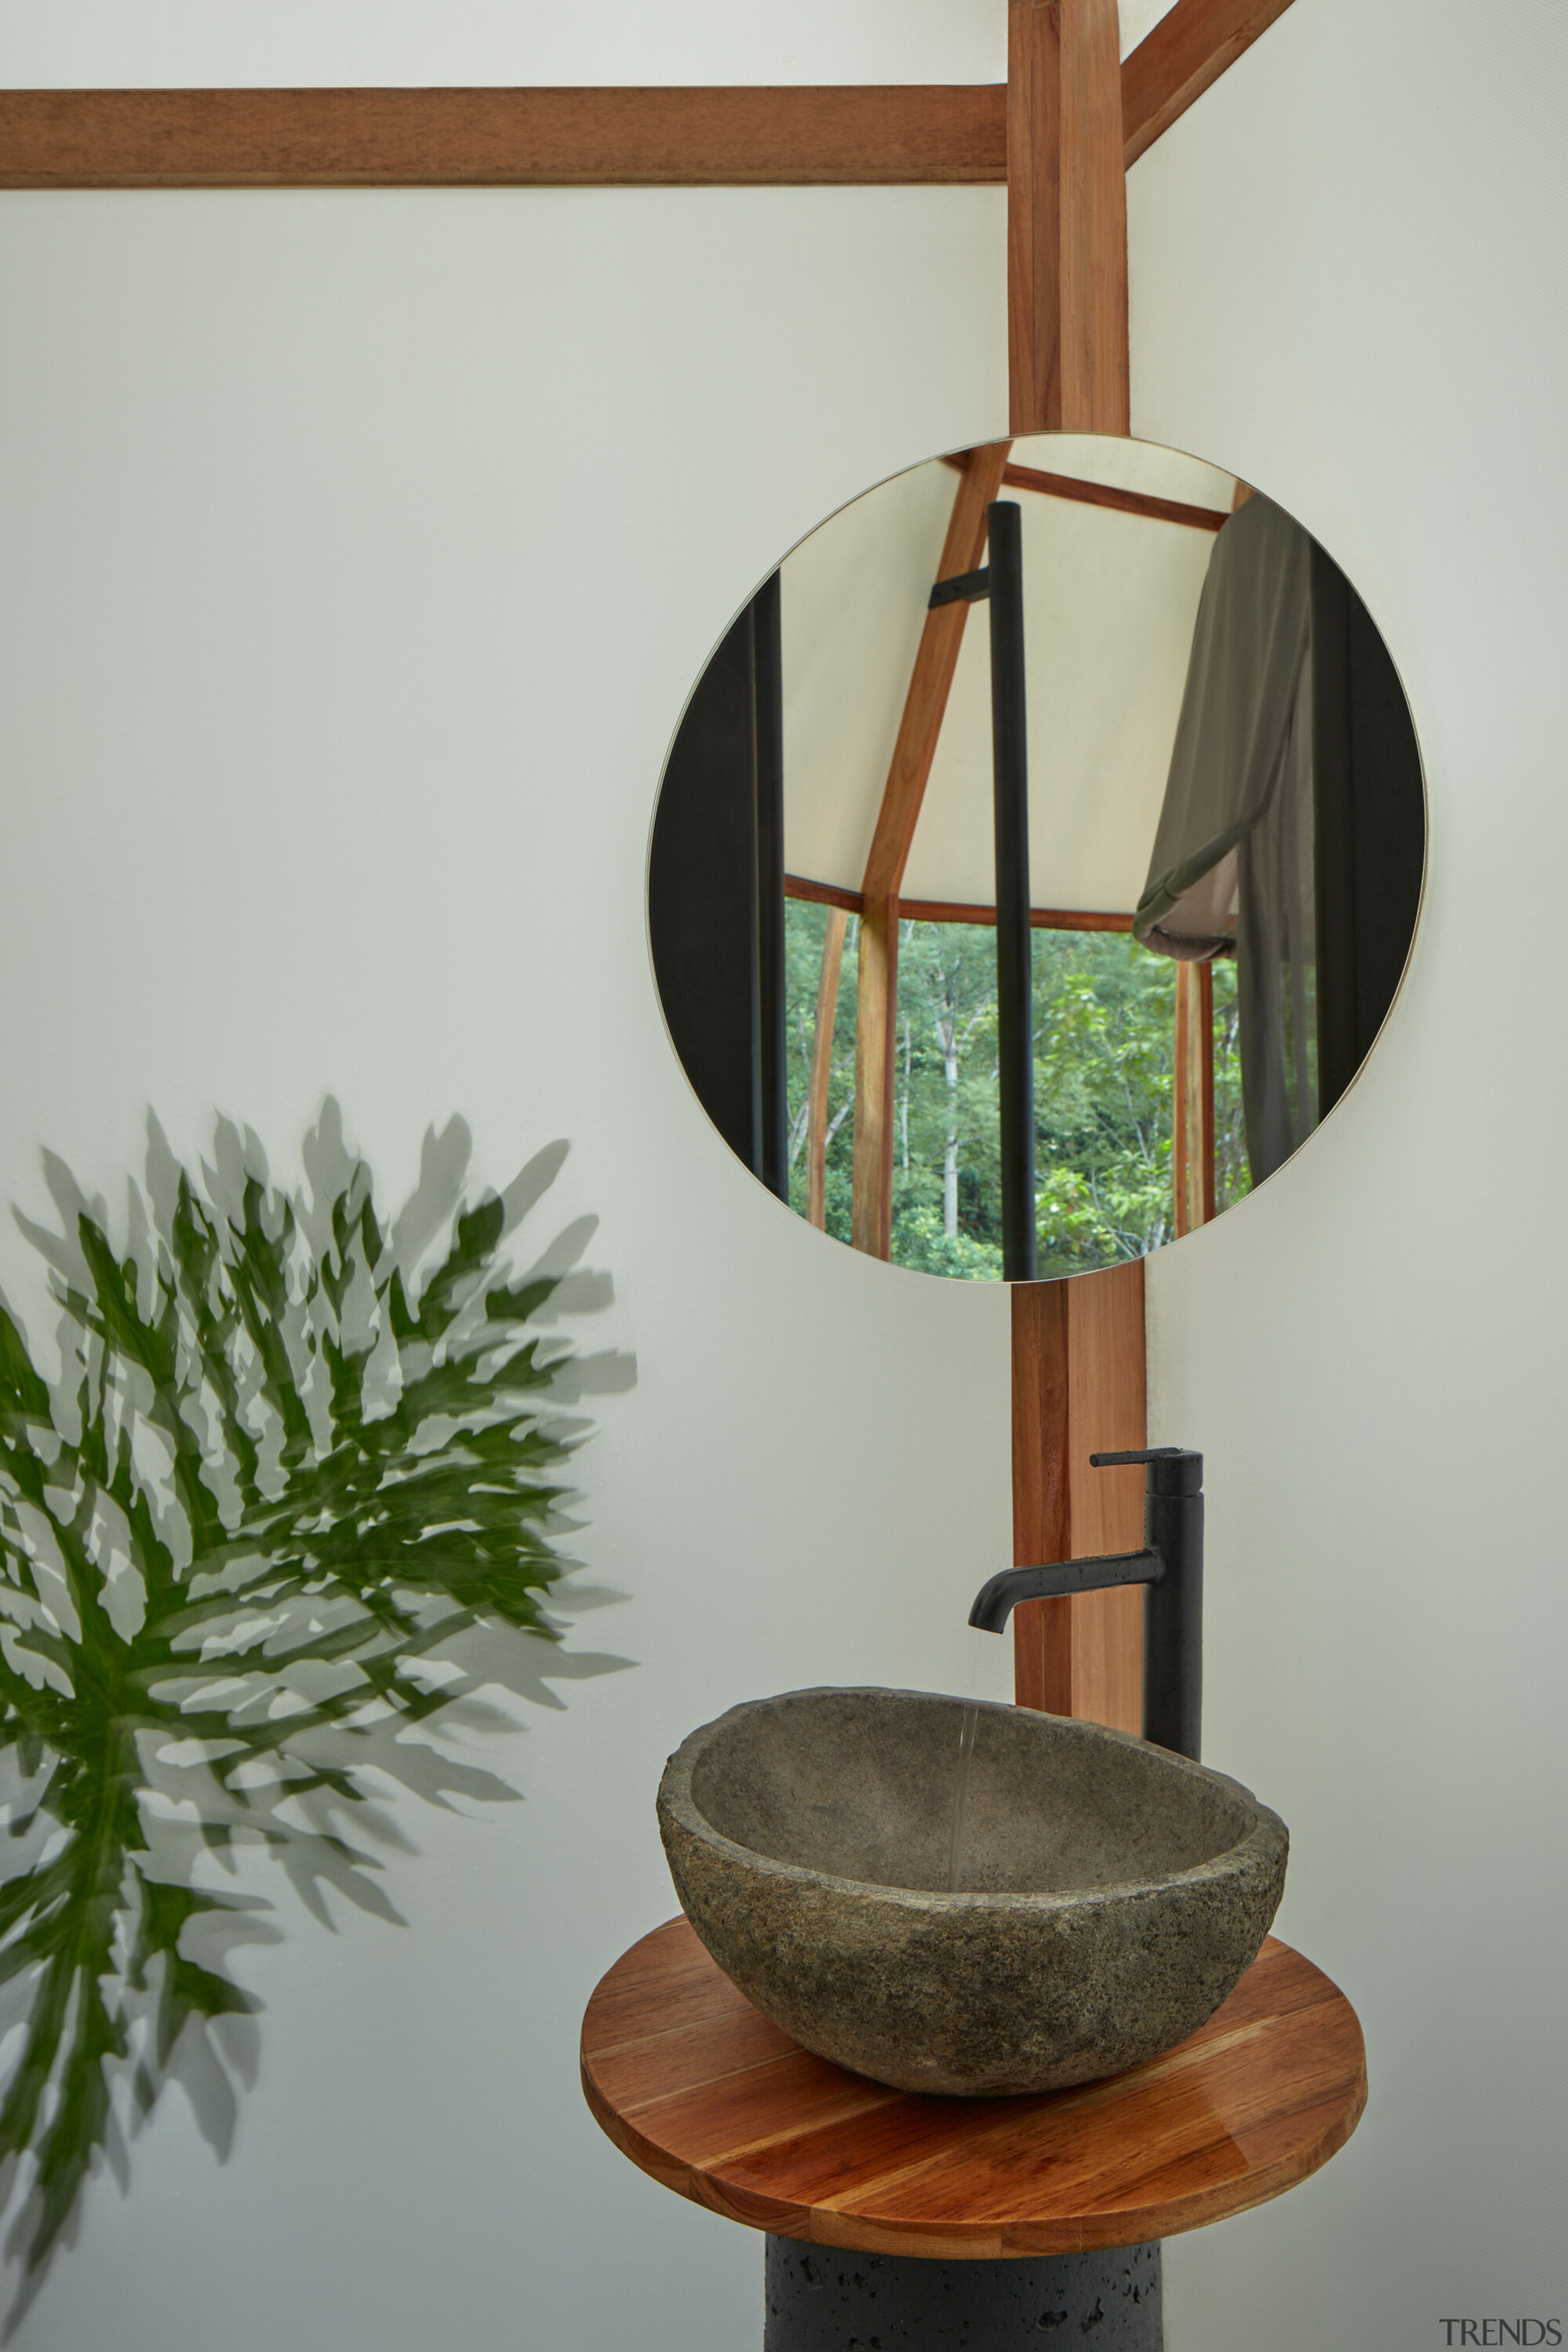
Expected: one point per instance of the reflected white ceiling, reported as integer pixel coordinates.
(1109, 602)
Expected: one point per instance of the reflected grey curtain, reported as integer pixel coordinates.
(1232, 869)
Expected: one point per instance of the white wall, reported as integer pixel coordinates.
(360, 551)
(195, 44)
(1346, 276)
(390, 529)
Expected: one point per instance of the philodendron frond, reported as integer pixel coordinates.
(288, 1502)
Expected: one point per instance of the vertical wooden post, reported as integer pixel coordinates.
(1192, 1154)
(822, 1066)
(1066, 218)
(876, 1041)
(1079, 1389)
(1042, 1520)
(1078, 1346)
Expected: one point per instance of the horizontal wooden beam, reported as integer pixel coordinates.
(911, 134)
(849, 136)
(1107, 494)
(955, 910)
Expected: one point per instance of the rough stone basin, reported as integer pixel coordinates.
(1111, 1894)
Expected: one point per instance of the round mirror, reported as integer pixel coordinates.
(1037, 857)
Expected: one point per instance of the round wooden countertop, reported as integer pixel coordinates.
(697, 2088)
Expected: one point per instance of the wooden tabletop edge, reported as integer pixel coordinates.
(1294, 2109)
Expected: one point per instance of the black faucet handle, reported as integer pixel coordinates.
(1173, 1469)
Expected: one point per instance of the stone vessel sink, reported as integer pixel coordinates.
(1110, 1894)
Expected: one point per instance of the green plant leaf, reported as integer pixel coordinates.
(258, 1541)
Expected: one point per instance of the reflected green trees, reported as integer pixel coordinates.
(1103, 1046)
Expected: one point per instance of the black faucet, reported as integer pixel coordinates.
(1170, 1564)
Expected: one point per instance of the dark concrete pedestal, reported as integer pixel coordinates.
(823, 2299)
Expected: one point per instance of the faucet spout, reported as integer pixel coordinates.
(1000, 1595)
(1170, 1564)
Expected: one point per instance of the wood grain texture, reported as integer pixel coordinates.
(931, 680)
(705, 2095)
(853, 135)
(1192, 1155)
(1042, 1518)
(541, 138)
(876, 1039)
(823, 893)
(1041, 918)
(1079, 1387)
(1106, 494)
(1092, 210)
(822, 1065)
(1107, 1413)
(955, 910)
(914, 748)
(1184, 54)
(1067, 219)
(1034, 219)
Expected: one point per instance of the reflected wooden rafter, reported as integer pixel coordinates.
(956, 911)
(1079, 491)
(876, 1003)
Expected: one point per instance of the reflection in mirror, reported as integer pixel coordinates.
(1037, 857)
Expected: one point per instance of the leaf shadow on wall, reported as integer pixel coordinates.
(279, 1544)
